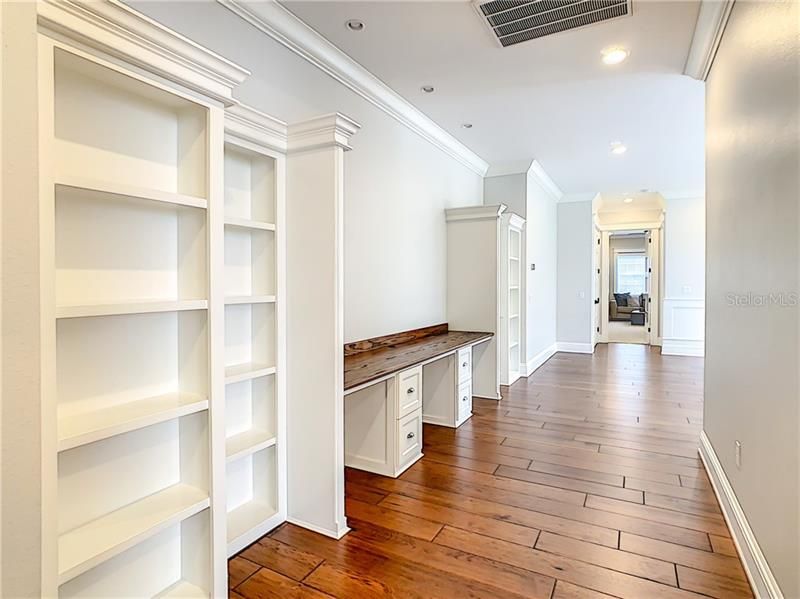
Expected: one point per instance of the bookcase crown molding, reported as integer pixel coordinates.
(475, 212)
(121, 32)
(254, 126)
(333, 129)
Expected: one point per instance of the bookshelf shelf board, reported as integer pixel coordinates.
(93, 543)
(87, 427)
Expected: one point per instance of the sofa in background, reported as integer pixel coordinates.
(616, 312)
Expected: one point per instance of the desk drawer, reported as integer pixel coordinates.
(464, 364)
(409, 438)
(464, 400)
(409, 391)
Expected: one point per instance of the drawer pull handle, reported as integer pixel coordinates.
(464, 398)
(410, 436)
(410, 390)
(464, 365)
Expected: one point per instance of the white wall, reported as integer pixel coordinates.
(541, 284)
(574, 297)
(396, 184)
(525, 195)
(683, 328)
(752, 192)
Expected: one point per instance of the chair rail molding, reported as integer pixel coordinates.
(755, 564)
(282, 25)
(684, 327)
(121, 32)
(708, 32)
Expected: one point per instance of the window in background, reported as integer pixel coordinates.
(631, 274)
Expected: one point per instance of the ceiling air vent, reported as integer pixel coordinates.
(515, 21)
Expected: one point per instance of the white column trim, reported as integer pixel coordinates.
(755, 564)
(276, 21)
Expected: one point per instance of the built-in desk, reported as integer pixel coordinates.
(395, 383)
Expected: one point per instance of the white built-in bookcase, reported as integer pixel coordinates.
(161, 215)
(255, 446)
(512, 273)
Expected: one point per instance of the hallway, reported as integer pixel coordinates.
(583, 482)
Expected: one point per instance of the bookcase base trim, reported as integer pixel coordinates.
(334, 534)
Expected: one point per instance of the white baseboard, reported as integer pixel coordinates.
(335, 534)
(539, 359)
(575, 348)
(683, 347)
(755, 564)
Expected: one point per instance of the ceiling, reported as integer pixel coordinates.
(549, 99)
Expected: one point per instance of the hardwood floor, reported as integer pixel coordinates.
(582, 482)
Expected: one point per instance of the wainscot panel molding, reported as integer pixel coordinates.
(684, 327)
(755, 564)
(539, 359)
(707, 35)
(280, 24)
(119, 31)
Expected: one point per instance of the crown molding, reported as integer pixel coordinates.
(708, 30)
(537, 173)
(329, 130)
(504, 169)
(577, 197)
(475, 212)
(515, 220)
(121, 32)
(279, 23)
(250, 125)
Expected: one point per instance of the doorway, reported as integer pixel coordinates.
(627, 266)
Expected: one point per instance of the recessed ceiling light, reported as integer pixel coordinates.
(614, 55)
(355, 25)
(628, 200)
(466, 126)
(428, 89)
(617, 147)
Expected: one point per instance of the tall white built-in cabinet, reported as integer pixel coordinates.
(512, 273)
(485, 268)
(161, 244)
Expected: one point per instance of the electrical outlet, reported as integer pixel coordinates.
(738, 446)
(533, 266)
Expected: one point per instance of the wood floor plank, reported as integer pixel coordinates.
(281, 558)
(391, 519)
(565, 590)
(715, 563)
(506, 577)
(365, 494)
(613, 559)
(680, 505)
(563, 568)
(239, 570)
(266, 584)
(459, 462)
(712, 585)
(498, 529)
(696, 495)
(614, 480)
(341, 582)
(723, 545)
(405, 578)
(711, 523)
(571, 483)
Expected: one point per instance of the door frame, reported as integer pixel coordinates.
(654, 252)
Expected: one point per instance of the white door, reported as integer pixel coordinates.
(596, 286)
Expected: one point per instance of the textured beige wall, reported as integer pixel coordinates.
(752, 200)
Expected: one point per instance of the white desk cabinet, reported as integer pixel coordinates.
(383, 424)
(447, 395)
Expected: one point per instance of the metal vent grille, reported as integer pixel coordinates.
(515, 21)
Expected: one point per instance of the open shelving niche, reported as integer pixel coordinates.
(128, 177)
(255, 145)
